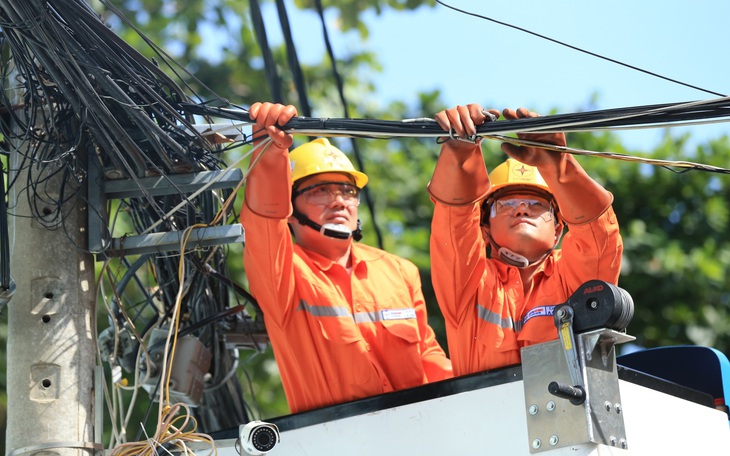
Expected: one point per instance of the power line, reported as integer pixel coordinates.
(576, 48)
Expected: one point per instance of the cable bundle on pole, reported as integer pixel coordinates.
(85, 94)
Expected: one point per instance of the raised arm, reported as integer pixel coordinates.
(460, 176)
(580, 198)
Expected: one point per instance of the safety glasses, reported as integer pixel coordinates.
(534, 206)
(324, 193)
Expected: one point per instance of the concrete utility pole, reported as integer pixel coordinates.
(52, 329)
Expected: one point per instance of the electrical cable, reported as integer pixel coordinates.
(592, 54)
(658, 115)
(608, 119)
(89, 95)
(5, 279)
(367, 196)
(269, 65)
(291, 53)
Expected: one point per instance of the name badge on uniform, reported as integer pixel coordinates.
(397, 314)
(542, 311)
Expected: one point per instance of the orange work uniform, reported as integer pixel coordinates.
(488, 315)
(338, 336)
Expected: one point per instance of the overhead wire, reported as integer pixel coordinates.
(293, 59)
(272, 75)
(576, 48)
(609, 119)
(346, 111)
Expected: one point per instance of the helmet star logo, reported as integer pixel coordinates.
(333, 158)
(522, 173)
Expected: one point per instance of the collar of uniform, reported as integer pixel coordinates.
(546, 267)
(361, 254)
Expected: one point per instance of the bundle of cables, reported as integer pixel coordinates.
(84, 94)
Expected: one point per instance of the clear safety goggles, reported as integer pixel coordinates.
(324, 193)
(534, 206)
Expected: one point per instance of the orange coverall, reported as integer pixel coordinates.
(339, 337)
(488, 315)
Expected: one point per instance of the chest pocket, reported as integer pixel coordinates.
(346, 360)
(491, 335)
(341, 330)
(406, 329)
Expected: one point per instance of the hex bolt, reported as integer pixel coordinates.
(624, 444)
(553, 440)
(593, 304)
(618, 408)
(613, 441)
(536, 443)
(607, 405)
(550, 406)
(533, 409)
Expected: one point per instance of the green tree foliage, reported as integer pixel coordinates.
(676, 249)
(674, 225)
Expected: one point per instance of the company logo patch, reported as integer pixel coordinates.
(397, 314)
(522, 173)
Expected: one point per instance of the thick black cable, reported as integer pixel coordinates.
(659, 115)
(269, 64)
(677, 113)
(291, 53)
(341, 91)
(593, 54)
(4, 236)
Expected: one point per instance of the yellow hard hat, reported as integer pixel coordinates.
(319, 156)
(517, 174)
(520, 177)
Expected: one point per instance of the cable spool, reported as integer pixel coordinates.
(599, 304)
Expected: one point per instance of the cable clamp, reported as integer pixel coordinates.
(491, 116)
(473, 139)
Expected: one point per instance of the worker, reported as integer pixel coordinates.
(345, 320)
(495, 267)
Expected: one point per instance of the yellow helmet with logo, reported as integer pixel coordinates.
(319, 156)
(513, 175)
(517, 174)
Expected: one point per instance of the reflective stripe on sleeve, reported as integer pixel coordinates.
(324, 311)
(359, 317)
(507, 323)
(496, 319)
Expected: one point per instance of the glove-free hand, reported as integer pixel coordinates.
(460, 176)
(581, 199)
(461, 122)
(269, 118)
(533, 156)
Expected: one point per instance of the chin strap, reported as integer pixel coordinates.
(506, 255)
(332, 230)
(511, 258)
